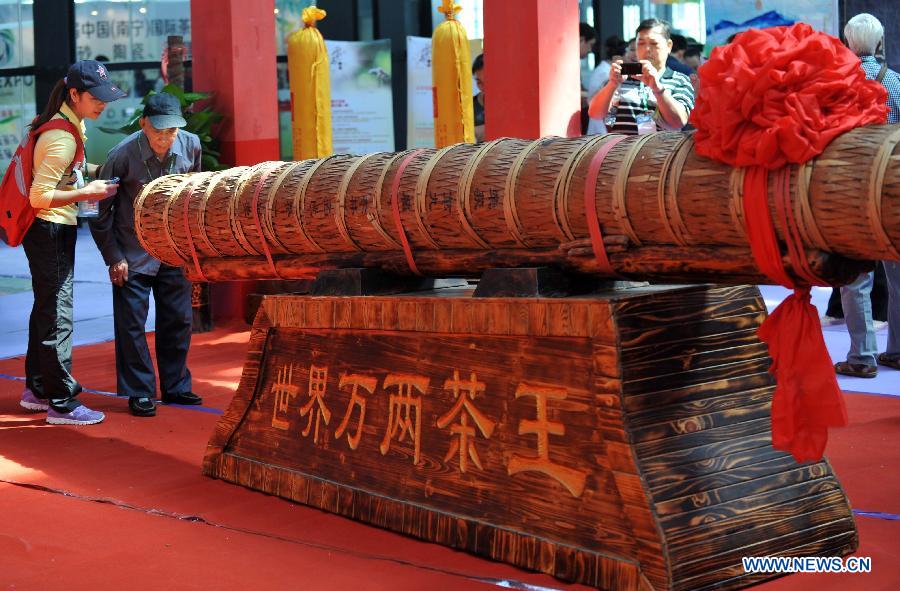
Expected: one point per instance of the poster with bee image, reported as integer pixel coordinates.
(362, 112)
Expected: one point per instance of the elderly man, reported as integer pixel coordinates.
(864, 35)
(160, 148)
(657, 98)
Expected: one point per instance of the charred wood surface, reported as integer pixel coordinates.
(621, 439)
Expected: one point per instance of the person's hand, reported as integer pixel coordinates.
(98, 189)
(695, 82)
(164, 65)
(118, 273)
(650, 77)
(615, 73)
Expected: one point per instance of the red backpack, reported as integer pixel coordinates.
(16, 213)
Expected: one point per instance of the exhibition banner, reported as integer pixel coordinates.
(727, 17)
(362, 112)
(419, 97)
(17, 109)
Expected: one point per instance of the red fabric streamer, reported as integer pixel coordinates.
(807, 398)
(799, 262)
(772, 97)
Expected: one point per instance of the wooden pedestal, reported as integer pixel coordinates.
(619, 440)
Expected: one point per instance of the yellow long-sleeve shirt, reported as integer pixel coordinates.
(53, 155)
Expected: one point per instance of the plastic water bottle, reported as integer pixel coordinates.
(88, 209)
(645, 123)
(91, 207)
(610, 118)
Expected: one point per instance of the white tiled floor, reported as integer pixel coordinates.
(838, 342)
(93, 298)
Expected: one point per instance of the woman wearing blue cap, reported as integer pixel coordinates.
(57, 187)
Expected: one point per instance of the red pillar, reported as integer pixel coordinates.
(531, 68)
(233, 54)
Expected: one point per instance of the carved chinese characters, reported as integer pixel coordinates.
(465, 392)
(457, 417)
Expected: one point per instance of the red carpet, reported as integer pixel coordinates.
(123, 504)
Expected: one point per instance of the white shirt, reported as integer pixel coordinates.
(597, 80)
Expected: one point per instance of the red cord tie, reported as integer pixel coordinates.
(262, 236)
(395, 206)
(187, 228)
(590, 204)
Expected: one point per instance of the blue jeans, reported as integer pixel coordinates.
(857, 303)
(892, 274)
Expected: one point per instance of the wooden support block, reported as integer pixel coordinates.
(620, 439)
(530, 282)
(546, 282)
(361, 281)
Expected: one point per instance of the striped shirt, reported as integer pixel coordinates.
(891, 82)
(637, 110)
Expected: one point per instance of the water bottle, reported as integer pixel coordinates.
(644, 117)
(91, 207)
(645, 122)
(610, 118)
(88, 209)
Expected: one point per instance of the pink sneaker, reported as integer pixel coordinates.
(80, 416)
(32, 402)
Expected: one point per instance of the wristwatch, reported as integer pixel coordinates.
(660, 92)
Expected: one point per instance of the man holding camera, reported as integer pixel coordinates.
(645, 96)
(161, 147)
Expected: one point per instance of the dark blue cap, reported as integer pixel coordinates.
(164, 111)
(92, 76)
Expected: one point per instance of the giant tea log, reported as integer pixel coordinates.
(666, 212)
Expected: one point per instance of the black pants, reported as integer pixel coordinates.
(50, 249)
(131, 302)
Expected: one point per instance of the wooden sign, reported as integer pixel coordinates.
(619, 440)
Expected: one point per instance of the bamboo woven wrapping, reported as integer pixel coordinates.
(513, 203)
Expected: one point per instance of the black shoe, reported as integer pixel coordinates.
(142, 407)
(188, 398)
(856, 370)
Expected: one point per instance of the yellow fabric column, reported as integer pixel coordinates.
(451, 71)
(310, 82)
